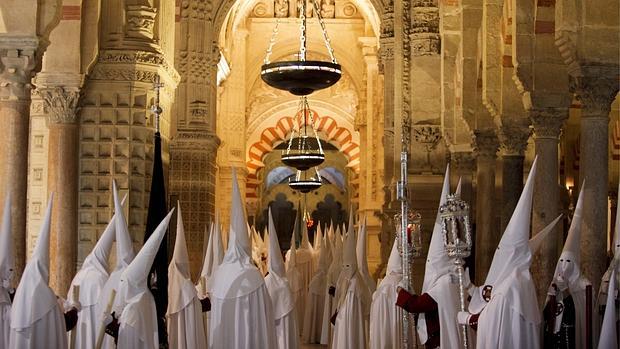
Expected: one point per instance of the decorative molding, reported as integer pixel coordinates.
(429, 136)
(18, 61)
(513, 139)
(596, 89)
(61, 103)
(485, 143)
(140, 22)
(196, 140)
(424, 33)
(548, 122)
(135, 57)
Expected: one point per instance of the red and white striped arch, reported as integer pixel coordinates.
(329, 129)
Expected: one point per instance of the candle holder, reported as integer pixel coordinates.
(456, 232)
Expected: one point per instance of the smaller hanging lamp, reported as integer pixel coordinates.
(302, 77)
(304, 182)
(300, 153)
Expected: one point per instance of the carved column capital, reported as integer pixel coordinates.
(61, 103)
(513, 138)
(596, 89)
(548, 122)
(485, 143)
(462, 161)
(18, 59)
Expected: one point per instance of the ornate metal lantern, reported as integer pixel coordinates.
(456, 232)
(302, 77)
(304, 182)
(413, 244)
(300, 153)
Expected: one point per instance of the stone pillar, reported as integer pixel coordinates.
(513, 143)
(17, 62)
(547, 127)
(62, 175)
(596, 90)
(487, 237)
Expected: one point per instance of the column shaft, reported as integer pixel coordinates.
(512, 185)
(63, 182)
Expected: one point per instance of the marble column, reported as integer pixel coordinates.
(487, 236)
(17, 62)
(513, 141)
(61, 104)
(545, 207)
(596, 90)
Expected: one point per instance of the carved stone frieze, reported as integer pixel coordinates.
(196, 139)
(133, 57)
(548, 122)
(140, 22)
(485, 143)
(61, 104)
(424, 33)
(429, 136)
(196, 9)
(425, 44)
(18, 59)
(462, 162)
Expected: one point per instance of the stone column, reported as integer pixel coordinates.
(596, 90)
(62, 175)
(462, 166)
(487, 237)
(17, 62)
(513, 143)
(547, 127)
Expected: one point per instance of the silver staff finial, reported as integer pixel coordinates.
(156, 109)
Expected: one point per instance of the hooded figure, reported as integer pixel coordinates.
(509, 316)
(282, 300)
(91, 279)
(362, 260)
(6, 274)
(124, 256)
(332, 278)
(609, 333)
(351, 295)
(613, 266)
(438, 304)
(385, 318)
(138, 319)
(241, 312)
(184, 315)
(566, 299)
(213, 258)
(293, 274)
(305, 264)
(37, 320)
(313, 318)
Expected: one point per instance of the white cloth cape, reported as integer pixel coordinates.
(47, 332)
(186, 328)
(138, 323)
(349, 330)
(446, 293)
(283, 304)
(313, 317)
(385, 317)
(500, 325)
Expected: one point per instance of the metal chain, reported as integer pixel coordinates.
(272, 42)
(302, 28)
(326, 39)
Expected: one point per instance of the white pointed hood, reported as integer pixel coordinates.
(305, 240)
(459, 187)
(437, 261)
(395, 264)
(568, 266)
(95, 267)
(276, 282)
(207, 262)
(537, 240)
(236, 276)
(512, 260)
(124, 246)
(318, 238)
(362, 259)
(336, 264)
(513, 252)
(608, 338)
(33, 297)
(349, 255)
(7, 262)
(275, 262)
(134, 277)
(181, 290)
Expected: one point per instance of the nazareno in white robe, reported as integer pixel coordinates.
(349, 330)
(313, 317)
(385, 316)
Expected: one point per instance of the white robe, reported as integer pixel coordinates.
(112, 283)
(446, 294)
(138, 323)
(91, 281)
(283, 308)
(48, 332)
(305, 266)
(5, 318)
(349, 330)
(385, 316)
(500, 325)
(313, 318)
(185, 327)
(244, 322)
